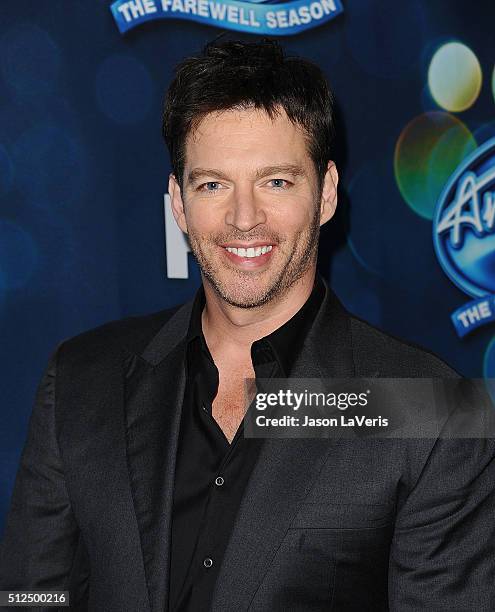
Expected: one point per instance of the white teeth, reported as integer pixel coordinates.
(249, 252)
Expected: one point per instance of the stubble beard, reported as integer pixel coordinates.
(300, 260)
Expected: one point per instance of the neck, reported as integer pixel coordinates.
(229, 328)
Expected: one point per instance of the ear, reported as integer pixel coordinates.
(328, 202)
(177, 203)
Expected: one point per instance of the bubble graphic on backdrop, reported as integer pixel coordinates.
(356, 290)
(29, 62)
(49, 166)
(484, 132)
(18, 255)
(366, 265)
(124, 89)
(454, 77)
(375, 207)
(428, 150)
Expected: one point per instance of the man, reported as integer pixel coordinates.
(137, 489)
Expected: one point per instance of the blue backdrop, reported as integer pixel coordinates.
(83, 172)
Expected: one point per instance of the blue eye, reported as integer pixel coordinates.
(279, 183)
(210, 187)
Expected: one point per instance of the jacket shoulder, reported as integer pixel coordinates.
(378, 353)
(129, 334)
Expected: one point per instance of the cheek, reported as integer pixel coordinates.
(200, 220)
(294, 218)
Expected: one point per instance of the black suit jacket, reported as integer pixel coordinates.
(338, 524)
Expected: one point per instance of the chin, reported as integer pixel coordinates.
(237, 292)
(244, 301)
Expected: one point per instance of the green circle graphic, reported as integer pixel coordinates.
(427, 152)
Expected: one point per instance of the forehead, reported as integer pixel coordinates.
(246, 136)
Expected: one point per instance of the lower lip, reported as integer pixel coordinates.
(249, 262)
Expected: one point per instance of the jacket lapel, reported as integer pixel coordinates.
(285, 471)
(154, 389)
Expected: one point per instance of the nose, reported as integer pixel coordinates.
(245, 211)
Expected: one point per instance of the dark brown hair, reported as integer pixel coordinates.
(237, 74)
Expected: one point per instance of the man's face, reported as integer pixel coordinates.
(250, 204)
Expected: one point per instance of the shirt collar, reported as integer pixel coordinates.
(283, 344)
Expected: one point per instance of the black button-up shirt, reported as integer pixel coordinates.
(211, 474)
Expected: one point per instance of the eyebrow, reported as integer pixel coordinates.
(291, 169)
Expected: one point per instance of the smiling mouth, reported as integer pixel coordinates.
(250, 252)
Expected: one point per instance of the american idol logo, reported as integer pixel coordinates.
(464, 236)
(256, 16)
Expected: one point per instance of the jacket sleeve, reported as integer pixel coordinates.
(42, 547)
(443, 550)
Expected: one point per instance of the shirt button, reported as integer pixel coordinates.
(219, 481)
(208, 562)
